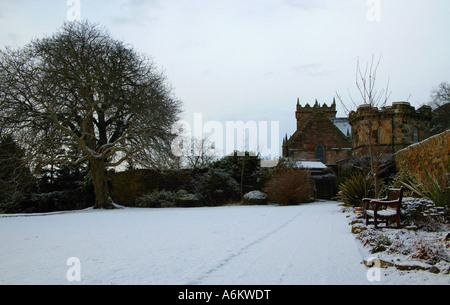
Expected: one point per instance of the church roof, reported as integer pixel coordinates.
(343, 125)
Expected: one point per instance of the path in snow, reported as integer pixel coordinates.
(307, 244)
(312, 246)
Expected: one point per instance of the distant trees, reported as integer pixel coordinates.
(440, 102)
(81, 97)
(15, 177)
(243, 168)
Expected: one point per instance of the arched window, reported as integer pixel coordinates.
(416, 135)
(320, 153)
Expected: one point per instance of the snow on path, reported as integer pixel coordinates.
(312, 246)
(307, 244)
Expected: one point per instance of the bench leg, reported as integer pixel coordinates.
(375, 221)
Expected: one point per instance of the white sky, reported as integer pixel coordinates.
(250, 59)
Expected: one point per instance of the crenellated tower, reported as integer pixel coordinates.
(303, 113)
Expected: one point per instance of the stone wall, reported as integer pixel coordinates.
(429, 154)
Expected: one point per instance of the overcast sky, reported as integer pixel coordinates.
(251, 59)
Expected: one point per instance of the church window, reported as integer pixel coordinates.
(416, 135)
(320, 153)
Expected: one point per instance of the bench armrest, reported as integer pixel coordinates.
(383, 202)
(370, 201)
(379, 203)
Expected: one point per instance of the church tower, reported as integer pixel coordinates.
(320, 136)
(303, 113)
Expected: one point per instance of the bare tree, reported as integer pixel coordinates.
(373, 99)
(94, 98)
(440, 102)
(441, 95)
(200, 154)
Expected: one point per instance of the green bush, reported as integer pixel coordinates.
(433, 187)
(246, 168)
(255, 198)
(353, 189)
(185, 199)
(157, 199)
(218, 187)
(357, 187)
(65, 200)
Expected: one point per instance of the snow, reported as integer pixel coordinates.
(255, 195)
(230, 245)
(310, 164)
(343, 125)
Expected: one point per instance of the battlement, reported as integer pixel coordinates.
(303, 112)
(397, 108)
(392, 127)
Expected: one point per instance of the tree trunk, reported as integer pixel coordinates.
(242, 176)
(102, 198)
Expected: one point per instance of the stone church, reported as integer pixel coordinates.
(320, 135)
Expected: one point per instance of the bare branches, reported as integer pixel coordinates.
(371, 98)
(366, 84)
(103, 96)
(82, 89)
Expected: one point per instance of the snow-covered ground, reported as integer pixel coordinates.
(307, 244)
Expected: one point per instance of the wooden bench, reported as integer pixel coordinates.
(392, 202)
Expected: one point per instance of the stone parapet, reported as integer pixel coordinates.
(430, 154)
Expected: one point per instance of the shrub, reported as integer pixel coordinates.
(185, 199)
(218, 187)
(246, 170)
(65, 200)
(357, 187)
(255, 197)
(423, 214)
(157, 199)
(289, 186)
(353, 189)
(433, 187)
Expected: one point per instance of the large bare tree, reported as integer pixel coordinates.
(90, 98)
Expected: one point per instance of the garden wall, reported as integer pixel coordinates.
(430, 154)
(125, 187)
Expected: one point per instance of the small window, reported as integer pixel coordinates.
(320, 153)
(416, 135)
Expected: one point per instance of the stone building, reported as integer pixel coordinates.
(390, 129)
(319, 136)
